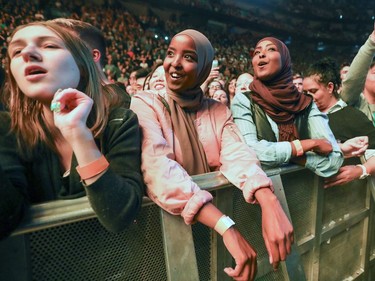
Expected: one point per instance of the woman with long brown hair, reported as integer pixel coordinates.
(66, 135)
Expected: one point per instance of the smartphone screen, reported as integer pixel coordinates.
(215, 63)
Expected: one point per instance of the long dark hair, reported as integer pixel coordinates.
(27, 117)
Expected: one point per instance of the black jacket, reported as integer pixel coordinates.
(116, 197)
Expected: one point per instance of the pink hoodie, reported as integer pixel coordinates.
(168, 184)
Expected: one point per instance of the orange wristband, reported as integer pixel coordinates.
(93, 168)
(299, 148)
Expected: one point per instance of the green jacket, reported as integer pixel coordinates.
(264, 130)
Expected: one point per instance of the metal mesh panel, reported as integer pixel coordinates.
(336, 255)
(202, 244)
(340, 201)
(298, 188)
(272, 276)
(86, 251)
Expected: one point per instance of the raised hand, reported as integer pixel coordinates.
(71, 109)
(213, 75)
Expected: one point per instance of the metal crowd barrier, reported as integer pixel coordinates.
(334, 234)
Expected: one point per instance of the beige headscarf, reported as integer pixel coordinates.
(184, 105)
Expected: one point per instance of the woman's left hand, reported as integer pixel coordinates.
(71, 109)
(346, 174)
(214, 73)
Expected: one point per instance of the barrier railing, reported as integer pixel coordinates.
(334, 234)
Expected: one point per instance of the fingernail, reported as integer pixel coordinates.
(56, 106)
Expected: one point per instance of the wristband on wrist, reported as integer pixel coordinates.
(93, 169)
(223, 224)
(299, 148)
(364, 172)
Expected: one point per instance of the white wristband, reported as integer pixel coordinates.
(364, 172)
(299, 148)
(223, 224)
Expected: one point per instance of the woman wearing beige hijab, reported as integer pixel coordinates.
(185, 134)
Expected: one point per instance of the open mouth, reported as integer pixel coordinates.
(34, 70)
(176, 75)
(159, 86)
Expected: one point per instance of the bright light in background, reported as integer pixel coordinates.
(166, 38)
(340, 17)
(156, 36)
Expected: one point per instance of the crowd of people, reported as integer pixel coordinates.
(335, 21)
(132, 40)
(96, 105)
(140, 40)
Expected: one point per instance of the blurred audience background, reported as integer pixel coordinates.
(138, 32)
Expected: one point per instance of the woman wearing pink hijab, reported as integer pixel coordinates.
(185, 134)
